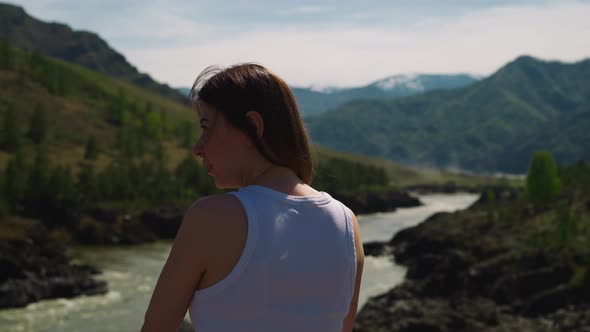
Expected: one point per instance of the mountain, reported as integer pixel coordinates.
(492, 125)
(184, 91)
(84, 48)
(311, 101)
(84, 103)
(123, 120)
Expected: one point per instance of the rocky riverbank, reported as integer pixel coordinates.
(372, 202)
(446, 188)
(35, 267)
(489, 268)
(102, 226)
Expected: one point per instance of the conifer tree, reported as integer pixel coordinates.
(21, 76)
(61, 81)
(94, 91)
(39, 67)
(187, 177)
(6, 61)
(116, 111)
(186, 134)
(10, 138)
(91, 150)
(4, 208)
(164, 124)
(62, 203)
(86, 184)
(14, 186)
(149, 107)
(152, 125)
(159, 154)
(37, 189)
(38, 126)
(193, 179)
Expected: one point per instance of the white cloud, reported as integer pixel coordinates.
(479, 42)
(174, 41)
(155, 27)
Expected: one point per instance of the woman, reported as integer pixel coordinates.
(276, 255)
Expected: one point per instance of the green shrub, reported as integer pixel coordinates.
(542, 182)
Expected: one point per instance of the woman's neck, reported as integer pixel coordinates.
(282, 179)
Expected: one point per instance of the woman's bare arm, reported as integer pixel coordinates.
(360, 259)
(181, 273)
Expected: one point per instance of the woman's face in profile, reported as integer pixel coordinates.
(221, 147)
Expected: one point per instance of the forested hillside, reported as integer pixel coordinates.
(80, 136)
(75, 142)
(82, 47)
(493, 125)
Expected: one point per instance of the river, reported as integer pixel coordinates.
(131, 272)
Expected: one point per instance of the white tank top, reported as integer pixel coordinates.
(296, 272)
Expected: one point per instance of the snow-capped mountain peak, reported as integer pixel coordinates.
(409, 81)
(323, 88)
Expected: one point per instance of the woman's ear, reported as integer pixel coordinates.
(256, 119)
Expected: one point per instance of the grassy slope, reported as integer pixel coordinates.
(82, 47)
(402, 176)
(75, 117)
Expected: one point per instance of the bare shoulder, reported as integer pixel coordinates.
(213, 218)
(207, 234)
(216, 207)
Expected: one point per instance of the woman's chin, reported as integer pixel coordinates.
(220, 184)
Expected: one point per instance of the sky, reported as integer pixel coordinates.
(328, 43)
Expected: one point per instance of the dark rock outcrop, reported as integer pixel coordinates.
(163, 222)
(377, 248)
(103, 226)
(497, 195)
(371, 202)
(38, 268)
(468, 273)
(112, 227)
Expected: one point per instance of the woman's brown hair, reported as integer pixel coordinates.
(238, 89)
